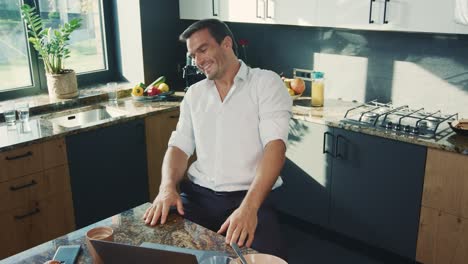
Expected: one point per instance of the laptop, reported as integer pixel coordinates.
(115, 253)
(151, 253)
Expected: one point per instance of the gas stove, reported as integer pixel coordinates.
(400, 120)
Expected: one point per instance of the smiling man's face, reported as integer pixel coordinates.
(210, 57)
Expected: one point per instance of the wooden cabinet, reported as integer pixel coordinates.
(446, 182)
(20, 162)
(158, 131)
(108, 171)
(443, 228)
(443, 238)
(305, 192)
(35, 198)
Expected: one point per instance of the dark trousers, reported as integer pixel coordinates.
(210, 209)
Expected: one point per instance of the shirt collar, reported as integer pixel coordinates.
(243, 71)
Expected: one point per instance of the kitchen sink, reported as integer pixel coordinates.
(84, 116)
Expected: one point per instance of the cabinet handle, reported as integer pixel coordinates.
(174, 116)
(385, 21)
(213, 8)
(15, 188)
(27, 154)
(337, 152)
(35, 211)
(324, 150)
(258, 16)
(268, 9)
(371, 21)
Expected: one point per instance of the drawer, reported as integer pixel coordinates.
(55, 153)
(56, 218)
(20, 191)
(19, 162)
(56, 180)
(17, 229)
(35, 223)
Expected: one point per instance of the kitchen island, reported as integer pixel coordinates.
(130, 229)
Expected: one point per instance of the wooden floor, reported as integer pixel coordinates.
(307, 244)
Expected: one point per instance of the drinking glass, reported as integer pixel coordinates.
(23, 111)
(112, 91)
(9, 113)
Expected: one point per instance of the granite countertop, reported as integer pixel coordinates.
(334, 110)
(39, 128)
(129, 229)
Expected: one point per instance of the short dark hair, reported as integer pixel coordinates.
(218, 30)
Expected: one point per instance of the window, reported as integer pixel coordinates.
(20, 68)
(14, 56)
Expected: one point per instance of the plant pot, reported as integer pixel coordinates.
(62, 86)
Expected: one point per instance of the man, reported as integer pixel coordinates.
(237, 119)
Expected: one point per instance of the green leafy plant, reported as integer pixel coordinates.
(51, 44)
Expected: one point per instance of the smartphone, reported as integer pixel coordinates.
(67, 254)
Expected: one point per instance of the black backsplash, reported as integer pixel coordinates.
(442, 57)
(432, 68)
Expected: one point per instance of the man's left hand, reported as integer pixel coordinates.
(240, 226)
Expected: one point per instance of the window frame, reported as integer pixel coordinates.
(37, 70)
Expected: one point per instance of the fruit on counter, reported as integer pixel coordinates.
(298, 85)
(158, 81)
(163, 87)
(461, 124)
(138, 90)
(154, 91)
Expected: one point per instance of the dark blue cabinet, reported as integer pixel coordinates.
(108, 171)
(366, 187)
(305, 192)
(376, 190)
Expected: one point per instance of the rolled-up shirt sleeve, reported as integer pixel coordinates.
(275, 110)
(183, 136)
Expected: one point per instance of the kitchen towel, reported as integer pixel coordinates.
(461, 12)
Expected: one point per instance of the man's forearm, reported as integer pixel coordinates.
(173, 167)
(267, 174)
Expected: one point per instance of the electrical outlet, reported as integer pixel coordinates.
(303, 74)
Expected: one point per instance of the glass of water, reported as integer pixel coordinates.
(9, 113)
(23, 111)
(112, 91)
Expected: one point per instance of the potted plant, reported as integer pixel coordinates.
(51, 44)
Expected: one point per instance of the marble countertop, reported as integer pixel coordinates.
(334, 110)
(39, 128)
(130, 229)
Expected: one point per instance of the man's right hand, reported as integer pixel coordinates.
(166, 198)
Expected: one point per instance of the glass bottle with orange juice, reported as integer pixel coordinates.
(317, 90)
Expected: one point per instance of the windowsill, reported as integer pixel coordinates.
(40, 104)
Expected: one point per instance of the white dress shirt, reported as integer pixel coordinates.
(230, 135)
